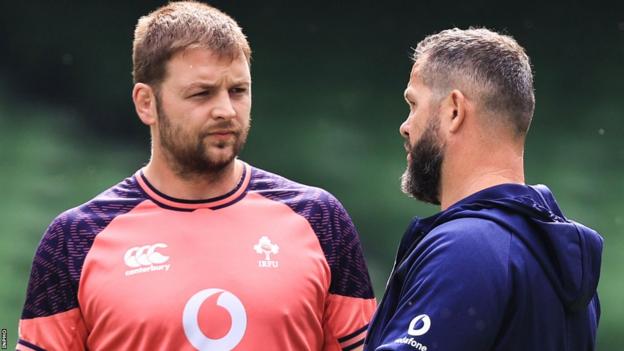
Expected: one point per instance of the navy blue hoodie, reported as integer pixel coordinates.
(502, 269)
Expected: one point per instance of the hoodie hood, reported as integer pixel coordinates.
(568, 252)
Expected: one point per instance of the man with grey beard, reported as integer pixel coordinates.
(500, 267)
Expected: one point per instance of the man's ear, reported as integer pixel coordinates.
(455, 110)
(144, 99)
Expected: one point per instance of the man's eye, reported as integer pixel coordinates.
(238, 90)
(201, 93)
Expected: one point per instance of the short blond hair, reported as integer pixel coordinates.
(178, 26)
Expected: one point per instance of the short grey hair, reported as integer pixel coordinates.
(491, 67)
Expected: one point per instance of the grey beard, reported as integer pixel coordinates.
(422, 176)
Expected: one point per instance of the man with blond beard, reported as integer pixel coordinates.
(198, 250)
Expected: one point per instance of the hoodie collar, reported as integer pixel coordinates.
(568, 252)
(492, 195)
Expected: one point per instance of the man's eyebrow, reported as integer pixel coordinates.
(211, 86)
(198, 85)
(241, 80)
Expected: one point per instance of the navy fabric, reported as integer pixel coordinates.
(503, 269)
(332, 225)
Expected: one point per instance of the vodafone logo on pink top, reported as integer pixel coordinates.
(231, 304)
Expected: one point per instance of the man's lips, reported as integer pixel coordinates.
(221, 132)
(220, 135)
(407, 147)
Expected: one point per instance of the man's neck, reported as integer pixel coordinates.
(476, 184)
(196, 187)
(472, 172)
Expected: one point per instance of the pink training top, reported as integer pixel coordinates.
(272, 265)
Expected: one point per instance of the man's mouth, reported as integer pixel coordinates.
(222, 132)
(220, 136)
(407, 147)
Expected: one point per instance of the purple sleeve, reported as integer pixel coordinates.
(52, 288)
(58, 261)
(341, 245)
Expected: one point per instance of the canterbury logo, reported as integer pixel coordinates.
(145, 255)
(146, 259)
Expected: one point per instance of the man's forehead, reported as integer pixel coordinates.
(414, 79)
(415, 71)
(204, 63)
(206, 55)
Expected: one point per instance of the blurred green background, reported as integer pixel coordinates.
(328, 84)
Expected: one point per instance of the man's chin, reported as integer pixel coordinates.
(419, 190)
(220, 158)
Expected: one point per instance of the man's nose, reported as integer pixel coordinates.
(223, 106)
(403, 129)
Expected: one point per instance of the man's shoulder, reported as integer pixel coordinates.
(332, 225)
(469, 240)
(325, 214)
(282, 189)
(470, 229)
(93, 215)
